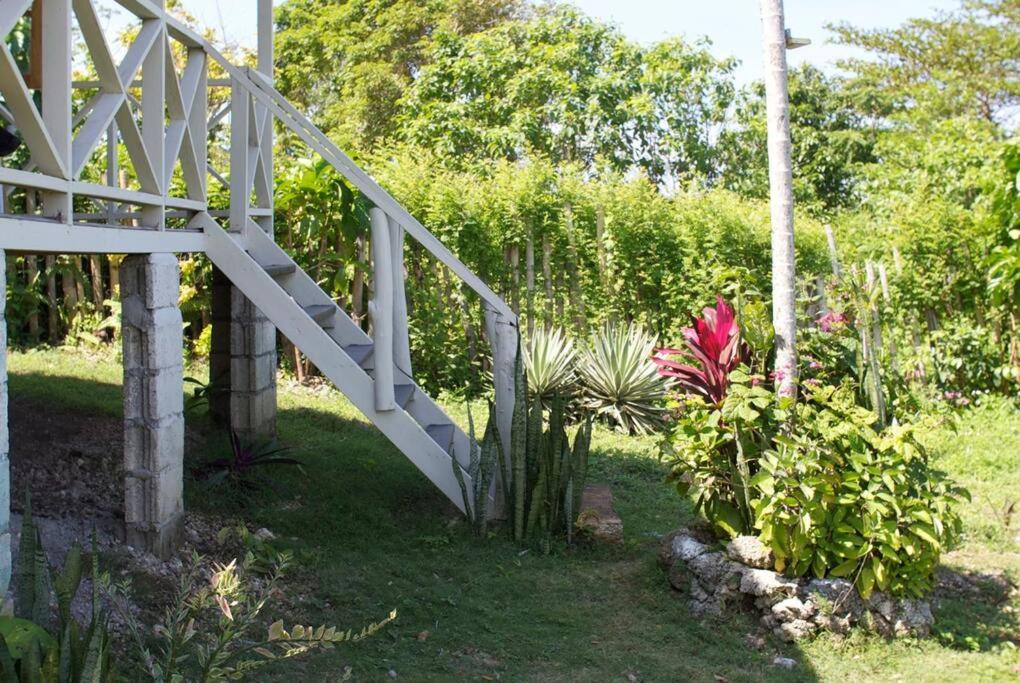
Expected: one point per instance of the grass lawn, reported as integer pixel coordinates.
(371, 535)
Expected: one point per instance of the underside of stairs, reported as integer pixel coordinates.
(340, 349)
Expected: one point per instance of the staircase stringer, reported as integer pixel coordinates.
(303, 288)
(348, 377)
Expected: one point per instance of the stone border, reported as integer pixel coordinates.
(716, 581)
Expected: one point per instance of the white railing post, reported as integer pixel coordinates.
(112, 169)
(401, 339)
(381, 310)
(199, 125)
(265, 67)
(240, 188)
(503, 338)
(154, 68)
(56, 97)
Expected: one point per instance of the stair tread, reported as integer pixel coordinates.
(442, 434)
(359, 353)
(278, 269)
(403, 394)
(321, 313)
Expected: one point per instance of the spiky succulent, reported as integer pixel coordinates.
(549, 359)
(621, 385)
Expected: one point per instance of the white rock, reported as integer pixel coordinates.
(797, 629)
(784, 662)
(686, 548)
(765, 583)
(793, 608)
(751, 551)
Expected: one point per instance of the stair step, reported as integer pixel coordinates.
(403, 394)
(359, 353)
(442, 434)
(322, 314)
(280, 269)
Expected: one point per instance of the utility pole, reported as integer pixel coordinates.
(784, 286)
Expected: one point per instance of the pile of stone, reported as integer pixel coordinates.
(741, 577)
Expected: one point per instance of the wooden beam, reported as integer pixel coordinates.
(56, 64)
(11, 12)
(41, 236)
(33, 77)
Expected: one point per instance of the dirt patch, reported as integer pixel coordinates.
(70, 460)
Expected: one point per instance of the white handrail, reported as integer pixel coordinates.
(261, 89)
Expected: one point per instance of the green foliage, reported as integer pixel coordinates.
(544, 475)
(555, 473)
(966, 358)
(835, 497)
(550, 362)
(561, 86)
(831, 139)
(35, 646)
(621, 385)
(828, 492)
(213, 632)
(711, 449)
(485, 457)
(353, 62)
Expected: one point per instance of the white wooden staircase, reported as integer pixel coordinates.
(152, 104)
(339, 349)
(374, 373)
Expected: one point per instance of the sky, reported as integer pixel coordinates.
(732, 25)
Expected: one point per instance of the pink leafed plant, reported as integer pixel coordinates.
(831, 321)
(713, 350)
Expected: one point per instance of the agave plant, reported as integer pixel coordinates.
(620, 382)
(713, 343)
(549, 359)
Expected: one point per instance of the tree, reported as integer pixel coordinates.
(562, 86)
(350, 62)
(961, 63)
(784, 287)
(831, 138)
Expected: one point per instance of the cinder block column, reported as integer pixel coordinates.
(153, 402)
(242, 366)
(5, 469)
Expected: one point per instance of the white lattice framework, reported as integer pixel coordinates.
(151, 110)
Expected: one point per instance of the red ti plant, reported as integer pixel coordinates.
(715, 349)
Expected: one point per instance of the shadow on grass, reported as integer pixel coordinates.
(70, 392)
(370, 534)
(973, 613)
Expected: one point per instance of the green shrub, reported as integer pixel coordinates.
(966, 358)
(549, 358)
(835, 497)
(828, 492)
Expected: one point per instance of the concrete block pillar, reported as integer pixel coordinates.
(242, 366)
(153, 402)
(5, 469)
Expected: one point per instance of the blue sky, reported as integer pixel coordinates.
(732, 25)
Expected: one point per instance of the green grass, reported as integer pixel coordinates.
(373, 535)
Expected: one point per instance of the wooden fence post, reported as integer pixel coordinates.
(547, 279)
(574, 272)
(529, 264)
(837, 270)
